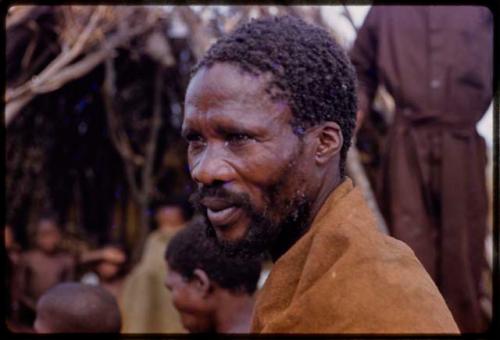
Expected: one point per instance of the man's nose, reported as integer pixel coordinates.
(211, 167)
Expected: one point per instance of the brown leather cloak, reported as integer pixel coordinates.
(344, 276)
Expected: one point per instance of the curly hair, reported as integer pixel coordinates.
(308, 67)
(191, 249)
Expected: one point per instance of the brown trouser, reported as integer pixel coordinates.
(433, 194)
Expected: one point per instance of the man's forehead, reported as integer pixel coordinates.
(235, 117)
(224, 90)
(225, 80)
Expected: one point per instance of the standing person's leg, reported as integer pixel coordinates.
(464, 227)
(404, 196)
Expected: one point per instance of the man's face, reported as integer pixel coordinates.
(244, 156)
(189, 303)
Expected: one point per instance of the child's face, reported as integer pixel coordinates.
(170, 216)
(107, 270)
(189, 303)
(48, 236)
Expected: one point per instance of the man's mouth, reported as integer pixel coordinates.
(224, 217)
(221, 213)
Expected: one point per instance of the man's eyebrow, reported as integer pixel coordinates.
(225, 129)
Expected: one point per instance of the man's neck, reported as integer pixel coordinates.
(291, 235)
(235, 313)
(323, 194)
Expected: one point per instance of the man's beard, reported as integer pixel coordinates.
(279, 225)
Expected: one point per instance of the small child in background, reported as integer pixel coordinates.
(213, 293)
(147, 305)
(107, 265)
(42, 267)
(11, 260)
(77, 308)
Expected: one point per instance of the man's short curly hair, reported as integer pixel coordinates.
(309, 70)
(191, 249)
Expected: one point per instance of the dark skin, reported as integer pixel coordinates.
(110, 260)
(206, 307)
(169, 217)
(108, 273)
(242, 140)
(75, 312)
(44, 266)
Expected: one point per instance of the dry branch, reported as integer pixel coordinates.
(55, 66)
(147, 170)
(118, 137)
(19, 14)
(58, 72)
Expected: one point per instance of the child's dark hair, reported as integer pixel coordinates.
(79, 308)
(180, 201)
(191, 249)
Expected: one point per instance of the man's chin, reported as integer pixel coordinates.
(231, 233)
(235, 243)
(242, 249)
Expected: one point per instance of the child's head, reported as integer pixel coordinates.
(47, 234)
(198, 271)
(77, 308)
(174, 212)
(112, 262)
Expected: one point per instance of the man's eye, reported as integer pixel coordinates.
(195, 141)
(238, 138)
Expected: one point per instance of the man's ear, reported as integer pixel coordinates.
(330, 140)
(202, 282)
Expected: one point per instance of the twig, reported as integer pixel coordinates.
(349, 18)
(77, 48)
(155, 128)
(17, 98)
(21, 13)
(109, 91)
(118, 136)
(69, 73)
(28, 54)
(150, 151)
(60, 61)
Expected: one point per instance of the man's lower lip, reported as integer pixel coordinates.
(223, 217)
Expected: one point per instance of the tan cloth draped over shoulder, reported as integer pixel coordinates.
(344, 276)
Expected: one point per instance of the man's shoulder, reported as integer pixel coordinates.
(370, 286)
(361, 280)
(354, 248)
(360, 249)
(345, 276)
